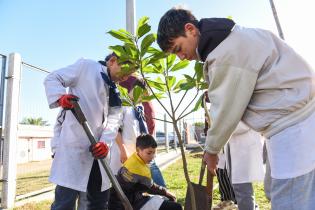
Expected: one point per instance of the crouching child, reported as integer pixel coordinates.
(136, 181)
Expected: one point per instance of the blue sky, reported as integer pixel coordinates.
(53, 34)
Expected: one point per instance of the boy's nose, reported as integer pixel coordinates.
(181, 56)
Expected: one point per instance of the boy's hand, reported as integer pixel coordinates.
(170, 196)
(65, 101)
(99, 150)
(211, 161)
(123, 156)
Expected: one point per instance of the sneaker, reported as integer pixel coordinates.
(225, 205)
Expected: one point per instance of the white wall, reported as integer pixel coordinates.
(29, 137)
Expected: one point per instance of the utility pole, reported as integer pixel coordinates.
(130, 16)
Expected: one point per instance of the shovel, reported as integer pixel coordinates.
(203, 194)
(77, 112)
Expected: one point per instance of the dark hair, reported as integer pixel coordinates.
(145, 141)
(172, 25)
(140, 82)
(110, 55)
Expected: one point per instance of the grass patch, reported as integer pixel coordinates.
(173, 175)
(27, 183)
(43, 205)
(175, 179)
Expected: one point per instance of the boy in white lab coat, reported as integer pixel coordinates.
(75, 167)
(244, 159)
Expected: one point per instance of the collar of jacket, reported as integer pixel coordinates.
(212, 32)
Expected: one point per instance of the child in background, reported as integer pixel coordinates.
(135, 179)
(136, 120)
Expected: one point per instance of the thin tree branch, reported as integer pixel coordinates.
(184, 95)
(185, 115)
(169, 92)
(142, 74)
(189, 104)
(154, 94)
(163, 120)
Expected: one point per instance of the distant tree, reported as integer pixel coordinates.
(199, 124)
(34, 121)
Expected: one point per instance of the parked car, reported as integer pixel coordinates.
(160, 137)
(171, 138)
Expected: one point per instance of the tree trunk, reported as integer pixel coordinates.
(190, 188)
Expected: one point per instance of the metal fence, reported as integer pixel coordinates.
(26, 148)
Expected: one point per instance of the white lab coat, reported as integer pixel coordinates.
(73, 162)
(246, 148)
(130, 132)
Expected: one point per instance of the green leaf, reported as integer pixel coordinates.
(157, 85)
(137, 92)
(152, 97)
(170, 81)
(146, 43)
(203, 86)
(143, 27)
(153, 50)
(118, 49)
(198, 104)
(180, 65)
(156, 57)
(199, 71)
(177, 88)
(143, 21)
(189, 78)
(123, 91)
(143, 30)
(121, 35)
(187, 85)
(125, 102)
(170, 60)
(131, 50)
(150, 69)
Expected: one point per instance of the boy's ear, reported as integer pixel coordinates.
(112, 60)
(191, 28)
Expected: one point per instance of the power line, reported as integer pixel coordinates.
(36, 68)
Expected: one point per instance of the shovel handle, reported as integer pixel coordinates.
(209, 175)
(77, 112)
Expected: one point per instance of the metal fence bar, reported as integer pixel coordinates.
(2, 83)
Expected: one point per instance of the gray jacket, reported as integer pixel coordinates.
(256, 77)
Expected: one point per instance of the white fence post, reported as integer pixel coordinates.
(10, 131)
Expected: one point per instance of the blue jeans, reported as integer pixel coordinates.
(244, 194)
(156, 174)
(294, 193)
(65, 198)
